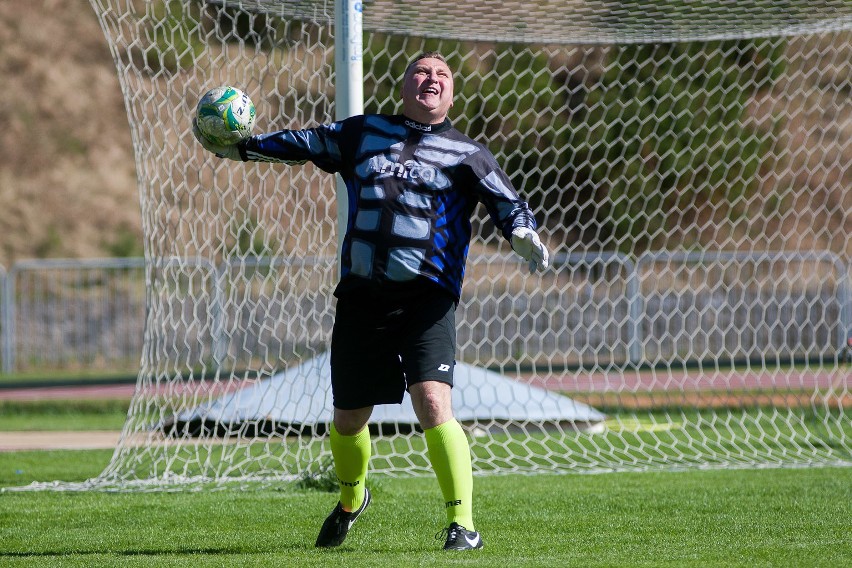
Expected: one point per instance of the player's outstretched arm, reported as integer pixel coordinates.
(526, 243)
(231, 152)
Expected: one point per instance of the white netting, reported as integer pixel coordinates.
(689, 164)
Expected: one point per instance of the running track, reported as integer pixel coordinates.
(661, 380)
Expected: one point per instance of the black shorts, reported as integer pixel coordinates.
(380, 346)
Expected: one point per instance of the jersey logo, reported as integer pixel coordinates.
(443, 367)
(418, 126)
(411, 169)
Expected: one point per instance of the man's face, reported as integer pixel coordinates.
(427, 91)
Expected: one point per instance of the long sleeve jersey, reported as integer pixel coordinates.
(412, 189)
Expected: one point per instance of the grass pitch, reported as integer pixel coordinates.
(782, 517)
(753, 518)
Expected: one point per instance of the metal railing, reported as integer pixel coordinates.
(608, 308)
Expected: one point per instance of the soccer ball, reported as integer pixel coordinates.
(225, 115)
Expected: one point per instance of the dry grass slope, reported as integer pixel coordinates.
(67, 175)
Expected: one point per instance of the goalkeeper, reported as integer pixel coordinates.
(413, 182)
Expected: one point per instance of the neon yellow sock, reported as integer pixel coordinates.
(449, 453)
(351, 458)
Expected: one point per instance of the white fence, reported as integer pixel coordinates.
(598, 310)
(76, 315)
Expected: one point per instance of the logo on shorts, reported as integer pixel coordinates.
(443, 367)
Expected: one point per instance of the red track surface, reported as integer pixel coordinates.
(661, 380)
(836, 381)
(695, 380)
(68, 392)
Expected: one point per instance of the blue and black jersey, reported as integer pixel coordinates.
(412, 190)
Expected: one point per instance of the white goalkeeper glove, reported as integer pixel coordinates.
(526, 243)
(231, 152)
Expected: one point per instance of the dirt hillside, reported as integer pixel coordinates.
(67, 173)
(67, 177)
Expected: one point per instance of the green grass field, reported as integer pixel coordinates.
(62, 415)
(774, 517)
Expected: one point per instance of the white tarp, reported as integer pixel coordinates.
(302, 396)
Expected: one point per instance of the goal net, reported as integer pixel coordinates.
(688, 163)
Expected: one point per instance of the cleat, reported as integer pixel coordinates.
(338, 523)
(459, 538)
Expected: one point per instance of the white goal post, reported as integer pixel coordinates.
(688, 163)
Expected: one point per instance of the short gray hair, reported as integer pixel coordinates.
(425, 55)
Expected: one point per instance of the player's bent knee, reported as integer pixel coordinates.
(432, 402)
(350, 422)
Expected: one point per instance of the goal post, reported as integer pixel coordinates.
(688, 163)
(349, 83)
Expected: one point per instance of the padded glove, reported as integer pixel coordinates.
(526, 243)
(231, 152)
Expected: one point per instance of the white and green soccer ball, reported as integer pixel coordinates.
(225, 115)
